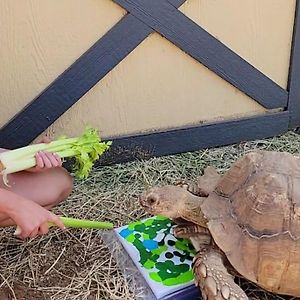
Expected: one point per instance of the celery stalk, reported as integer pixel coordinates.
(27, 163)
(18, 166)
(33, 149)
(80, 223)
(77, 223)
(86, 149)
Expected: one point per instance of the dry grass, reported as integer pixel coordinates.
(76, 264)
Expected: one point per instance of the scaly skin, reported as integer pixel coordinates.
(204, 184)
(184, 202)
(213, 278)
(211, 274)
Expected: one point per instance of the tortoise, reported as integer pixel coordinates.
(245, 223)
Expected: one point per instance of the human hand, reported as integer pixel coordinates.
(46, 160)
(32, 219)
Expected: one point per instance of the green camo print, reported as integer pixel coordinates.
(151, 237)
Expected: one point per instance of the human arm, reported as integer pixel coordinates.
(29, 216)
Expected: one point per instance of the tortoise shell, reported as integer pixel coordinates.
(254, 217)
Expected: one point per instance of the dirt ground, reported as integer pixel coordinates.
(76, 264)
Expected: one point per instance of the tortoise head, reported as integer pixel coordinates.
(166, 201)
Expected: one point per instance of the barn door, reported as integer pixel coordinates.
(144, 17)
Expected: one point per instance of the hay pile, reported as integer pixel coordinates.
(76, 264)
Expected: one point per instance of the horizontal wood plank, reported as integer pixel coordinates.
(198, 43)
(294, 78)
(195, 138)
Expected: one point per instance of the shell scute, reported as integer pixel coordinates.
(254, 213)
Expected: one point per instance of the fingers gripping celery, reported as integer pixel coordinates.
(86, 149)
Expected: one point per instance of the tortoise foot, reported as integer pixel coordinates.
(190, 186)
(208, 181)
(204, 184)
(187, 230)
(213, 278)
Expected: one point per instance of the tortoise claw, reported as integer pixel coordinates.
(190, 229)
(182, 183)
(213, 278)
(191, 187)
(204, 184)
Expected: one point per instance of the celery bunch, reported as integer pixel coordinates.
(86, 149)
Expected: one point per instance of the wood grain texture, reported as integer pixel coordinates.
(68, 88)
(198, 43)
(74, 82)
(259, 31)
(143, 93)
(294, 80)
(195, 138)
(41, 39)
(138, 95)
(176, 3)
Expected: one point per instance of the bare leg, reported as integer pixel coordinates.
(213, 278)
(46, 188)
(204, 184)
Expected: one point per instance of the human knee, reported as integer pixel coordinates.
(66, 183)
(63, 184)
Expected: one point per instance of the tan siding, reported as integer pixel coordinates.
(40, 39)
(258, 30)
(157, 86)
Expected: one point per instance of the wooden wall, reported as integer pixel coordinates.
(157, 86)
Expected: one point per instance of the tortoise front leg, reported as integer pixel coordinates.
(197, 232)
(204, 184)
(208, 181)
(213, 278)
